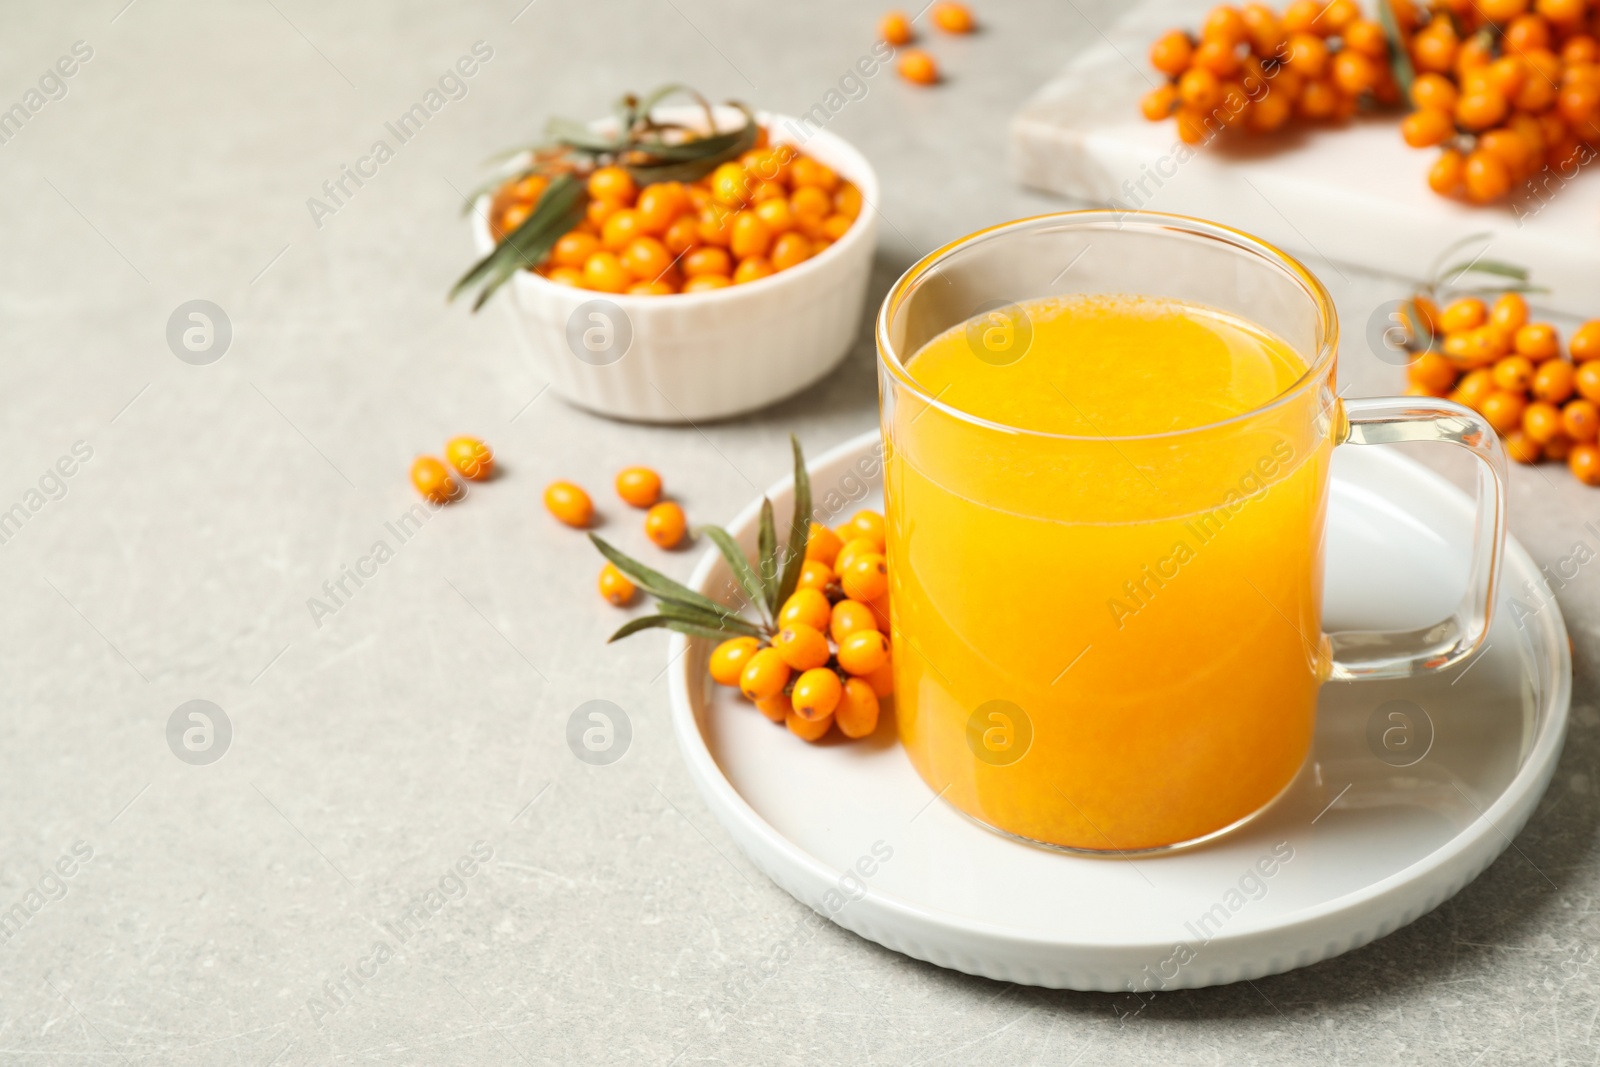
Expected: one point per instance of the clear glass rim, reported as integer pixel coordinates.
(1151, 221)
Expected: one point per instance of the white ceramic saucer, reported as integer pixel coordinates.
(1390, 817)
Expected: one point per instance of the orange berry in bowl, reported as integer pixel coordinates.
(659, 205)
(867, 575)
(807, 607)
(790, 249)
(658, 288)
(614, 184)
(569, 503)
(1585, 343)
(749, 236)
(1503, 410)
(701, 283)
(802, 647)
(752, 269)
(1580, 420)
(432, 480)
(1467, 313)
(1475, 387)
(1553, 381)
(857, 712)
(639, 486)
(952, 17)
(665, 524)
(682, 235)
(807, 171)
(856, 546)
(822, 544)
(620, 229)
(850, 617)
(709, 260)
(1514, 373)
(1541, 421)
(808, 729)
(730, 185)
(816, 693)
(728, 659)
(764, 675)
(869, 526)
(573, 249)
(1433, 371)
(566, 276)
(471, 457)
(918, 67)
(646, 258)
(847, 201)
(777, 708)
(1509, 312)
(1587, 380)
(615, 586)
(863, 652)
(1537, 340)
(815, 574)
(604, 272)
(1584, 462)
(776, 215)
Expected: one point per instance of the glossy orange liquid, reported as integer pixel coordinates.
(1108, 644)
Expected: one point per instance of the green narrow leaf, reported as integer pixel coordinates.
(1499, 268)
(660, 622)
(1399, 57)
(559, 210)
(578, 135)
(1443, 257)
(697, 165)
(657, 584)
(768, 544)
(799, 525)
(748, 579)
(727, 625)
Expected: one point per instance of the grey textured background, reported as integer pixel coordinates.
(615, 922)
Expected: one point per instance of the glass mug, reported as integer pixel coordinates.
(1114, 644)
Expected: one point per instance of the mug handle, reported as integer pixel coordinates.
(1373, 654)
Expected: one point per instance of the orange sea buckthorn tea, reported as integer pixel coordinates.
(1105, 518)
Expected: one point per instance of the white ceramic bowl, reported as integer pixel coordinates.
(695, 356)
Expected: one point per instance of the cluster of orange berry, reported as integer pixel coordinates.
(470, 458)
(828, 664)
(1513, 373)
(1507, 88)
(917, 66)
(664, 521)
(1252, 69)
(772, 209)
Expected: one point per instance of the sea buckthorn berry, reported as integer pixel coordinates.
(847, 201)
(816, 693)
(432, 479)
(857, 713)
(802, 647)
(1171, 52)
(1159, 103)
(657, 288)
(863, 652)
(1480, 110)
(1522, 448)
(1587, 379)
(509, 218)
(882, 680)
(665, 524)
(918, 67)
(835, 227)
(1558, 447)
(1580, 49)
(1537, 340)
(1446, 174)
(730, 185)
(599, 211)
(702, 282)
(850, 617)
(1319, 100)
(1433, 371)
(764, 675)
(814, 574)
(1509, 313)
(1553, 381)
(1584, 462)
(1580, 419)
(1367, 37)
(1514, 373)
(752, 269)
(1475, 386)
(1466, 313)
(1271, 112)
(1218, 57)
(807, 607)
(573, 249)
(1585, 343)
(777, 215)
(822, 544)
(615, 586)
(1541, 421)
(808, 729)
(789, 250)
(1477, 347)
(709, 260)
(1354, 73)
(869, 526)
(646, 258)
(880, 612)
(810, 203)
(728, 659)
(763, 191)
(612, 183)
(1434, 49)
(750, 236)
(807, 171)
(620, 229)
(639, 486)
(777, 708)
(471, 457)
(1307, 55)
(659, 205)
(569, 503)
(1434, 92)
(867, 575)
(1200, 89)
(682, 235)
(856, 546)
(1425, 128)
(604, 271)
(895, 28)
(1503, 410)
(952, 17)
(566, 276)
(1487, 177)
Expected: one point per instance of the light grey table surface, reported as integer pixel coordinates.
(615, 921)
